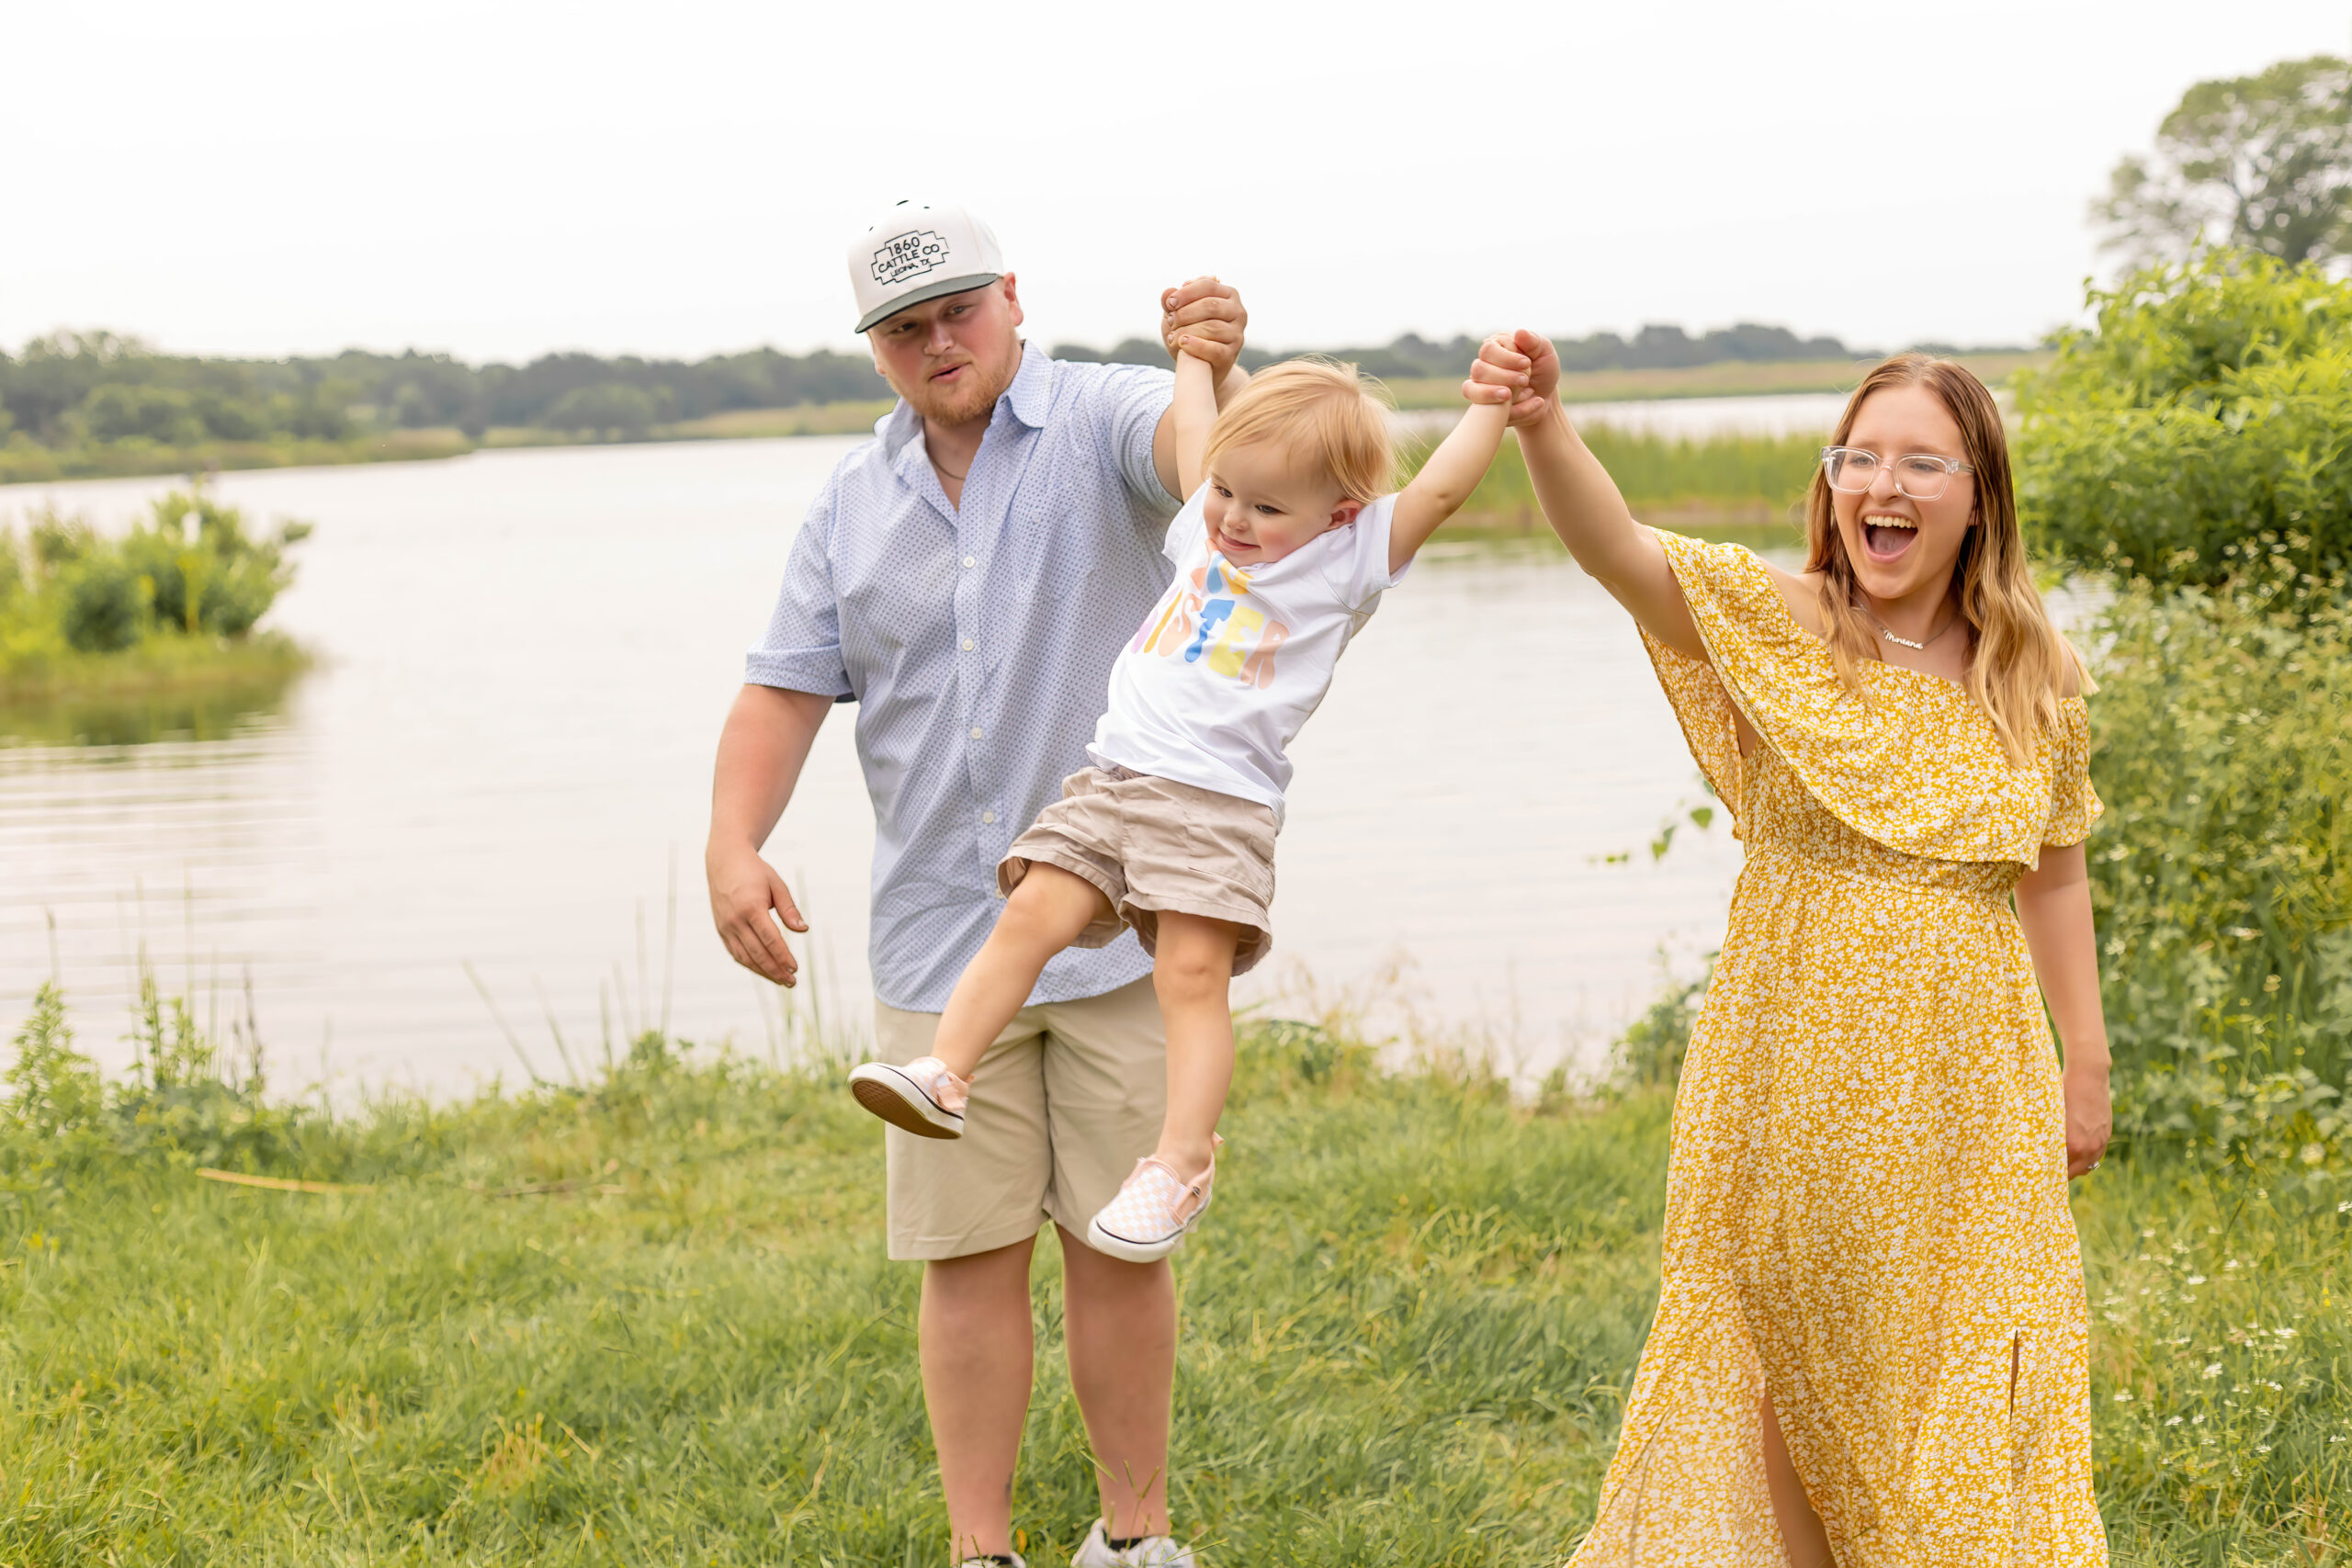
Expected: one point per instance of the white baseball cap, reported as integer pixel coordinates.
(915, 251)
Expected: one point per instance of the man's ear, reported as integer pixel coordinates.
(1345, 514)
(1012, 297)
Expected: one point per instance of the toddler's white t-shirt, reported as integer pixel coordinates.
(1228, 664)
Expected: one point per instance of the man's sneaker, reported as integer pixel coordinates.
(1153, 1212)
(922, 1097)
(995, 1560)
(1145, 1551)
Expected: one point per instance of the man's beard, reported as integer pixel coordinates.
(964, 403)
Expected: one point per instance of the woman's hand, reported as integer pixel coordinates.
(2089, 1117)
(1523, 362)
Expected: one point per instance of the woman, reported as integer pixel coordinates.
(1871, 1345)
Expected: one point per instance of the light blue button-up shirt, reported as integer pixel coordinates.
(977, 643)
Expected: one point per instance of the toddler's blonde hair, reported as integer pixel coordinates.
(1325, 413)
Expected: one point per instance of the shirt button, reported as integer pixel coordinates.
(976, 732)
(988, 816)
(970, 561)
(967, 645)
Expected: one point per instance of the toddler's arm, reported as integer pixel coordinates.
(1453, 471)
(1579, 498)
(1194, 412)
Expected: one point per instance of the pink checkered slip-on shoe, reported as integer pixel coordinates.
(922, 1097)
(1154, 1211)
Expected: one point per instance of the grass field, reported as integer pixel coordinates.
(649, 1321)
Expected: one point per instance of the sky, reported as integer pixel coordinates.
(500, 180)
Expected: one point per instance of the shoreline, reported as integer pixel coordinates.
(22, 464)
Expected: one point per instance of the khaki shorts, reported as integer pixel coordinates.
(1152, 844)
(1065, 1103)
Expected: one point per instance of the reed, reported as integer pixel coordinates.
(1710, 481)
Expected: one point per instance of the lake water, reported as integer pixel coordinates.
(507, 747)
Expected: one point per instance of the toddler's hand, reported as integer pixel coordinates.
(1209, 317)
(1523, 366)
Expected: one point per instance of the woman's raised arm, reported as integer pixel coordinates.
(1579, 497)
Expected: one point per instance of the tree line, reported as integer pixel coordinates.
(72, 389)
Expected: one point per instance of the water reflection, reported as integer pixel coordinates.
(104, 720)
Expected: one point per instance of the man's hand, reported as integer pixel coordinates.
(1524, 362)
(1209, 314)
(746, 896)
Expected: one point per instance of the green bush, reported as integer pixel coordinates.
(192, 569)
(2222, 872)
(103, 605)
(2207, 404)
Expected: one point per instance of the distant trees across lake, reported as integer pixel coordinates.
(1652, 348)
(74, 392)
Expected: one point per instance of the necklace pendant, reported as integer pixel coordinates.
(1906, 641)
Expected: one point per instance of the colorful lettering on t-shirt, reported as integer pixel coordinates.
(1202, 617)
(1259, 668)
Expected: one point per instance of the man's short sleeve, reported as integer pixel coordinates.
(802, 649)
(1131, 399)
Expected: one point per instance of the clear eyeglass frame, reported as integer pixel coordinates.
(1922, 476)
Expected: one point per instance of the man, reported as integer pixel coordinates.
(966, 578)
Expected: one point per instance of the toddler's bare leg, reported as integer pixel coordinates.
(1044, 915)
(1192, 972)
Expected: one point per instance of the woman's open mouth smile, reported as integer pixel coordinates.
(1886, 537)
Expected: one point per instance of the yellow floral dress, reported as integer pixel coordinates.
(1866, 1209)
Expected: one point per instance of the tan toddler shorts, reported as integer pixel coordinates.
(1152, 844)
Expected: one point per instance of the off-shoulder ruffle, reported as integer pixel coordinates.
(1917, 767)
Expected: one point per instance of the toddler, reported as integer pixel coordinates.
(1281, 554)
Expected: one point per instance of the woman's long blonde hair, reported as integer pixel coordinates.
(2019, 667)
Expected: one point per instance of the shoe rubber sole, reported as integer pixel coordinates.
(1103, 1241)
(899, 1101)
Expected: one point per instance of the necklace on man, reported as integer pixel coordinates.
(1891, 634)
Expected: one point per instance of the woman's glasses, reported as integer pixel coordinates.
(1922, 476)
